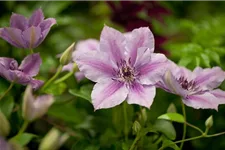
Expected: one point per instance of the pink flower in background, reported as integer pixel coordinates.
(85, 45)
(24, 73)
(27, 33)
(124, 67)
(196, 88)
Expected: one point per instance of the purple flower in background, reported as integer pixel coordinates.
(4, 145)
(196, 88)
(35, 107)
(24, 73)
(27, 33)
(84, 45)
(123, 67)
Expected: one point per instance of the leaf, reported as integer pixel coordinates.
(23, 139)
(84, 92)
(6, 106)
(165, 127)
(171, 144)
(171, 108)
(205, 59)
(184, 61)
(56, 89)
(173, 117)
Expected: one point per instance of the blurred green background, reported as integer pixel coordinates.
(190, 33)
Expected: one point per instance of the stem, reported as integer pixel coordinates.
(9, 88)
(134, 142)
(31, 51)
(185, 125)
(125, 121)
(64, 77)
(22, 129)
(216, 134)
(190, 125)
(53, 78)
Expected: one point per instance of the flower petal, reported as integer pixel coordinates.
(47, 24)
(18, 21)
(31, 64)
(220, 95)
(79, 76)
(4, 145)
(8, 63)
(36, 18)
(36, 84)
(112, 42)
(90, 44)
(209, 78)
(152, 72)
(141, 94)
(12, 36)
(94, 65)
(108, 94)
(32, 36)
(139, 38)
(204, 101)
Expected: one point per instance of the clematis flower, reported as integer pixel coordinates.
(196, 88)
(4, 144)
(124, 67)
(35, 107)
(84, 45)
(24, 73)
(27, 33)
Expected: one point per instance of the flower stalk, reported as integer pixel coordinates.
(6, 92)
(185, 125)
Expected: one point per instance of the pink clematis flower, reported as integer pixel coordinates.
(27, 33)
(84, 45)
(24, 73)
(124, 67)
(196, 88)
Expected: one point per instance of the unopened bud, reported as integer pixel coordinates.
(67, 55)
(209, 122)
(4, 125)
(53, 140)
(35, 107)
(142, 116)
(136, 127)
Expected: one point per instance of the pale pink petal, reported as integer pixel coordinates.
(108, 94)
(36, 84)
(112, 42)
(47, 24)
(31, 64)
(89, 44)
(209, 78)
(94, 64)
(32, 36)
(12, 36)
(8, 63)
(36, 18)
(18, 21)
(139, 38)
(68, 67)
(79, 76)
(141, 94)
(204, 101)
(220, 95)
(152, 72)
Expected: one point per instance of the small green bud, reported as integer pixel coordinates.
(53, 140)
(4, 125)
(136, 127)
(171, 108)
(67, 55)
(209, 122)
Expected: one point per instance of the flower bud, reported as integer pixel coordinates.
(67, 55)
(4, 125)
(143, 116)
(35, 107)
(136, 127)
(53, 140)
(209, 122)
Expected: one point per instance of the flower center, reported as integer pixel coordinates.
(126, 72)
(185, 84)
(13, 65)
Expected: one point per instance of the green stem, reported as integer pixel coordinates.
(190, 125)
(64, 77)
(22, 129)
(53, 78)
(134, 142)
(9, 88)
(31, 51)
(185, 125)
(125, 120)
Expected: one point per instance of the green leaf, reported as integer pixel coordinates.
(205, 59)
(56, 89)
(171, 108)
(84, 92)
(184, 61)
(170, 144)
(23, 139)
(6, 106)
(173, 117)
(165, 127)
